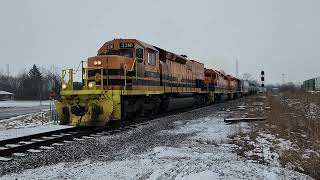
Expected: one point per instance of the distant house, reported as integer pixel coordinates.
(4, 95)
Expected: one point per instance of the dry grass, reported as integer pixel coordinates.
(296, 117)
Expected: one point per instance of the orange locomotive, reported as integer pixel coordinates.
(131, 78)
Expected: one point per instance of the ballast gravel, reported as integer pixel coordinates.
(117, 146)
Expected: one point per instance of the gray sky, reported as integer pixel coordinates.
(279, 36)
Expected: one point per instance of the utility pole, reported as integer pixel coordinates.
(283, 78)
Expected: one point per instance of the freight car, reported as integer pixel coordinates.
(130, 78)
(312, 84)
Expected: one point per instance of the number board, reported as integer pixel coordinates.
(109, 46)
(126, 45)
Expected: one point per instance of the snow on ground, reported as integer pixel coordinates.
(207, 154)
(264, 148)
(13, 103)
(13, 133)
(28, 120)
(28, 124)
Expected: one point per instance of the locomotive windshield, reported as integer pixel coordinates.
(121, 52)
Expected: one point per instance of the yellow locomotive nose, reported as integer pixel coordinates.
(88, 107)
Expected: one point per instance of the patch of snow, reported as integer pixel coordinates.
(308, 153)
(204, 175)
(313, 111)
(210, 128)
(264, 150)
(28, 120)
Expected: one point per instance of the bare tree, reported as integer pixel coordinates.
(246, 76)
(222, 71)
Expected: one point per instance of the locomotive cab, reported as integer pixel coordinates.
(126, 63)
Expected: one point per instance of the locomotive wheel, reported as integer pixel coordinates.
(164, 104)
(156, 109)
(65, 117)
(229, 97)
(217, 98)
(138, 108)
(124, 113)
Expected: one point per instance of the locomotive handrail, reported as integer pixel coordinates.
(101, 76)
(134, 64)
(85, 76)
(67, 85)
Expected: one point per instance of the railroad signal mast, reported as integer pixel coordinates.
(262, 78)
(262, 81)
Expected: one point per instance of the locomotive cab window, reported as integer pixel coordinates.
(207, 74)
(139, 55)
(121, 52)
(152, 58)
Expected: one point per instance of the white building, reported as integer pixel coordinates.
(4, 95)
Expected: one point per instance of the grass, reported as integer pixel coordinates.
(296, 117)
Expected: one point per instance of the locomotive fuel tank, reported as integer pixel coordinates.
(180, 102)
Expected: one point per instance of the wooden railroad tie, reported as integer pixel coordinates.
(233, 120)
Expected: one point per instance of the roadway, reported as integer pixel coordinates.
(9, 112)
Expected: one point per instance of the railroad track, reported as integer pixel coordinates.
(45, 141)
(41, 141)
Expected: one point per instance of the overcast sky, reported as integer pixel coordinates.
(278, 36)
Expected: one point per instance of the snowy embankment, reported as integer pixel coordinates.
(28, 124)
(207, 153)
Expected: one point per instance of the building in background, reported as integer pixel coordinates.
(4, 95)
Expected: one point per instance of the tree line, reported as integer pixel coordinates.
(31, 85)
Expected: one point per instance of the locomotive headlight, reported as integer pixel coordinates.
(97, 63)
(91, 85)
(64, 86)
